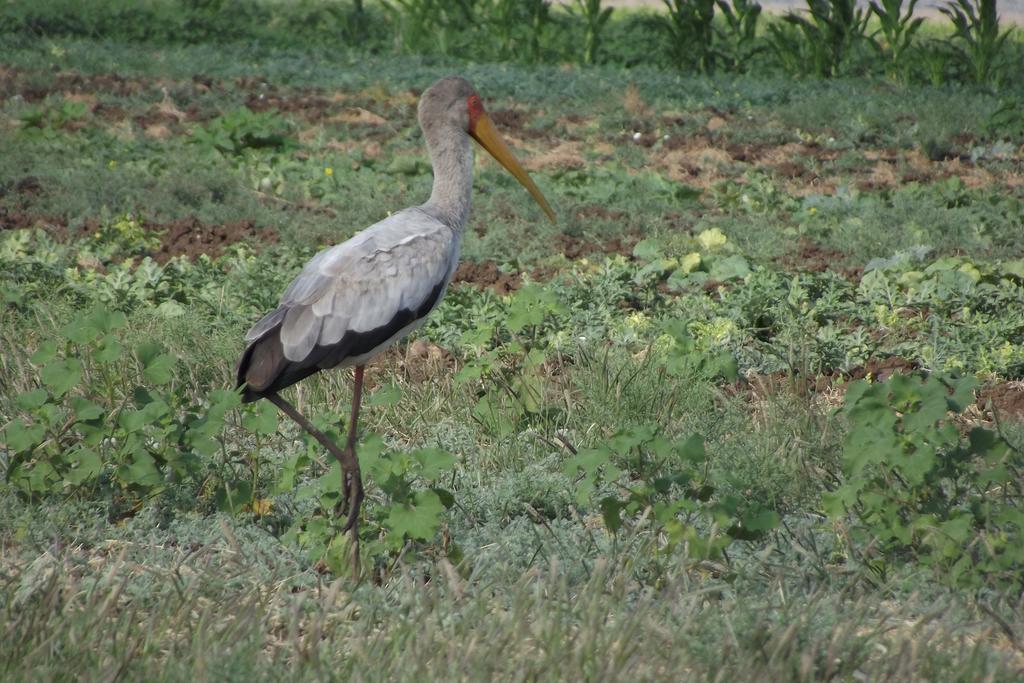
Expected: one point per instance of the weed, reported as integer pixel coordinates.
(918, 487)
(241, 130)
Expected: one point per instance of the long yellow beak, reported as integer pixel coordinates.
(487, 135)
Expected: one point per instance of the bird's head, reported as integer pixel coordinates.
(452, 103)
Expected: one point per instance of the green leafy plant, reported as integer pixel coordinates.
(917, 487)
(1007, 121)
(93, 424)
(690, 27)
(432, 26)
(822, 44)
(47, 122)
(408, 505)
(594, 17)
(898, 29)
(519, 28)
(740, 32)
(983, 45)
(242, 130)
(639, 478)
(510, 375)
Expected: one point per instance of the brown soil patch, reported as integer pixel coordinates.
(513, 122)
(574, 246)
(357, 116)
(599, 212)
(313, 108)
(423, 360)
(1006, 400)
(759, 387)
(185, 237)
(813, 258)
(881, 369)
(418, 362)
(190, 238)
(563, 156)
(55, 226)
(486, 274)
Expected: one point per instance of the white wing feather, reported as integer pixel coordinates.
(361, 284)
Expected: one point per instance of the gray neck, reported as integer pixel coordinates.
(451, 153)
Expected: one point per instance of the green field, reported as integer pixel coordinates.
(753, 409)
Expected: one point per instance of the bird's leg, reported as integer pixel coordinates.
(352, 485)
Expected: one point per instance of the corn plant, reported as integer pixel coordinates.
(691, 33)
(976, 27)
(822, 44)
(898, 29)
(518, 27)
(430, 25)
(740, 32)
(594, 18)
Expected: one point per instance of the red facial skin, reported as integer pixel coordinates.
(476, 109)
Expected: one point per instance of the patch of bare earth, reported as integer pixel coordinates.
(813, 258)
(1005, 400)
(188, 237)
(487, 275)
(191, 238)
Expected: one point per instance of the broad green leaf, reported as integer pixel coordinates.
(136, 420)
(233, 497)
(30, 400)
(86, 464)
(418, 520)
(106, 321)
(22, 437)
(110, 350)
(932, 409)
(80, 330)
(157, 366)
(147, 352)
(648, 249)
(61, 375)
(45, 353)
(141, 471)
(692, 450)
(730, 268)
(963, 393)
(261, 418)
(170, 309)
(85, 409)
(836, 503)
(433, 462)
(445, 496)
(763, 520)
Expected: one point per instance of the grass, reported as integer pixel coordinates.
(839, 226)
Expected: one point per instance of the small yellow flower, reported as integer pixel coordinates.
(328, 171)
(112, 163)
